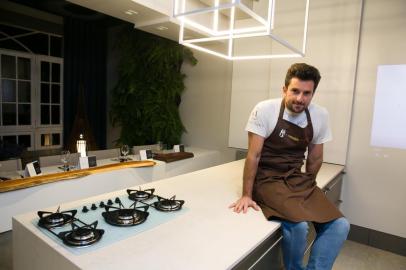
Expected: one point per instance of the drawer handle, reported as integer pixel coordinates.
(271, 247)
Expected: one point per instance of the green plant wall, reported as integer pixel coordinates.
(146, 98)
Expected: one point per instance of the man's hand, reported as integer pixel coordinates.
(243, 204)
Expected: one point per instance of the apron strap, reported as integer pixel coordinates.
(282, 109)
(309, 119)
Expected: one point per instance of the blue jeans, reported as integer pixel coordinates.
(330, 237)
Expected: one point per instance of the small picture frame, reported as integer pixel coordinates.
(83, 163)
(92, 161)
(87, 162)
(179, 148)
(145, 154)
(32, 169)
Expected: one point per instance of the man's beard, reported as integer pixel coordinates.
(295, 107)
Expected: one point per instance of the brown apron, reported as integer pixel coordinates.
(280, 188)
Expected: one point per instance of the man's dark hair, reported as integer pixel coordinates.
(303, 72)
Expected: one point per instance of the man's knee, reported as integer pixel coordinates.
(298, 227)
(342, 226)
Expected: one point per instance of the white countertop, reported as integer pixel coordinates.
(207, 236)
(328, 172)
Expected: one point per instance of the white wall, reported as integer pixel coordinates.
(333, 33)
(205, 106)
(375, 183)
(250, 84)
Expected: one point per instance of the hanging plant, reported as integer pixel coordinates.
(146, 98)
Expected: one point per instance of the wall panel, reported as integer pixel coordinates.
(332, 47)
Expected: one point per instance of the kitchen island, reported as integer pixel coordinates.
(205, 235)
(38, 197)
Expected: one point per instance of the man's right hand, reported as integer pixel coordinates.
(243, 204)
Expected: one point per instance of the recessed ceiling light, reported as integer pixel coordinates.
(130, 12)
(162, 28)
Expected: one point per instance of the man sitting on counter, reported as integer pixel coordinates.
(279, 133)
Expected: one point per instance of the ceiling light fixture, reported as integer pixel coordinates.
(131, 12)
(162, 28)
(229, 28)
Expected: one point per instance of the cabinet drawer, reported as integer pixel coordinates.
(333, 190)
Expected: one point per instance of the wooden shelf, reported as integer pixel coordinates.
(16, 184)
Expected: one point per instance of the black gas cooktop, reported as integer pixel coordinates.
(69, 225)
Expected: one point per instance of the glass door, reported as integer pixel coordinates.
(31, 100)
(16, 98)
(50, 103)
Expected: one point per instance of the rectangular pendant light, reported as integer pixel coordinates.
(242, 29)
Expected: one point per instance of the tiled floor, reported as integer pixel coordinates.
(5, 251)
(353, 256)
(356, 256)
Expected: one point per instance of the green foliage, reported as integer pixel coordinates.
(146, 98)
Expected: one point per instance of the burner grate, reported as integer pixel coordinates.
(168, 205)
(121, 216)
(81, 236)
(55, 219)
(139, 195)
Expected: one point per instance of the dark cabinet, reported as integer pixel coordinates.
(333, 190)
(267, 256)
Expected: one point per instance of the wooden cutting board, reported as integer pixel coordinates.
(15, 184)
(171, 157)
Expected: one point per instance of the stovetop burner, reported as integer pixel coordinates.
(82, 236)
(55, 219)
(138, 195)
(168, 205)
(122, 216)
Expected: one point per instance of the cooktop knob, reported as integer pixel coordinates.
(110, 202)
(85, 209)
(117, 200)
(94, 207)
(101, 205)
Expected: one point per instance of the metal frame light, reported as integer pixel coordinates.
(213, 34)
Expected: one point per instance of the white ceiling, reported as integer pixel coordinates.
(153, 16)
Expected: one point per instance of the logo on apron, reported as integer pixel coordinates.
(293, 138)
(282, 133)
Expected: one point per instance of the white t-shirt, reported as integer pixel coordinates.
(264, 117)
